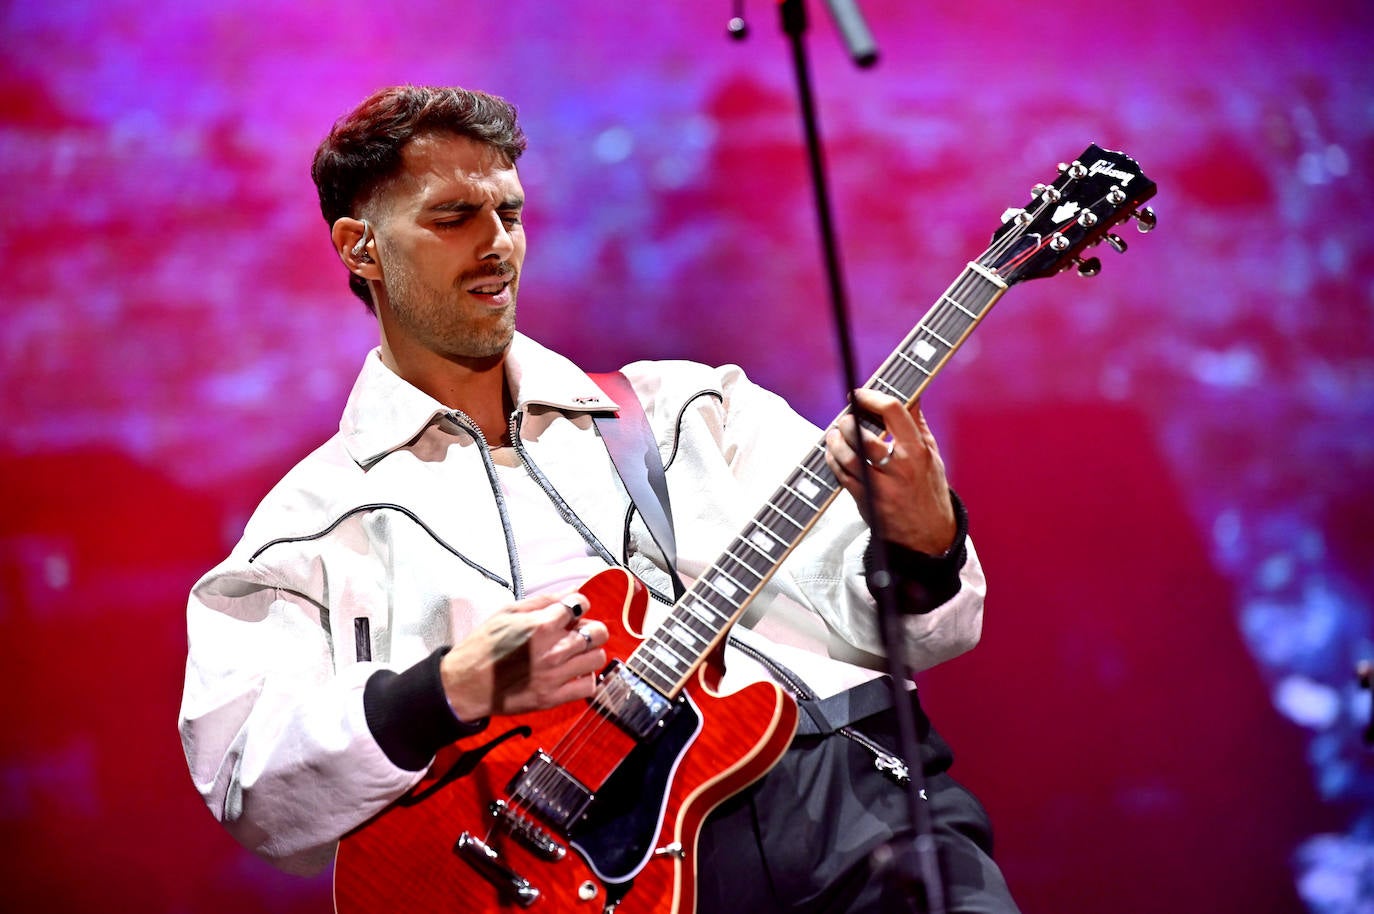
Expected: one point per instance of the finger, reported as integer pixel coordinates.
(535, 604)
(855, 441)
(576, 604)
(563, 612)
(871, 447)
(889, 452)
(580, 687)
(552, 618)
(579, 664)
(875, 401)
(586, 637)
(583, 663)
(890, 411)
(905, 424)
(575, 642)
(839, 454)
(854, 433)
(923, 428)
(596, 633)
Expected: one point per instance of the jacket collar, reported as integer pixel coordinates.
(386, 412)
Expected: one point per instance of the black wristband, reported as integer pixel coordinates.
(409, 714)
(924, 581)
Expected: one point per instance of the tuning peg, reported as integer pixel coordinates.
(1117, 243)
(1145, 220)
(1090, 267)
(1018, 215)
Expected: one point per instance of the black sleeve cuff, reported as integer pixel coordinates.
(923, 582)
(409, 715)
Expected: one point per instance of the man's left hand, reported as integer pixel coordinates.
(910, 492)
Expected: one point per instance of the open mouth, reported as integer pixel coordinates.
(493, 285)
(494, 288)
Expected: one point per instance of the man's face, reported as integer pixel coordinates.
(452, 245)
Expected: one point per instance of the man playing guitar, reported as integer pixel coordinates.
(416, 579)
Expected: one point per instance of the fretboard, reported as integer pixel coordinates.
(704, 614)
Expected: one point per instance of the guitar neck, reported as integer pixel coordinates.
(704, 614)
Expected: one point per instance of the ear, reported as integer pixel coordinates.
(356, 247)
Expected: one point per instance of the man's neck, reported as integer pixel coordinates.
(476, 387)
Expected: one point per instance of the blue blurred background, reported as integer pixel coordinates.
(1170, 467)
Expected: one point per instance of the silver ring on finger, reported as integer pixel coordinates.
(585, 637)
(886, 458)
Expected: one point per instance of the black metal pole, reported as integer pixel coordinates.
(913, 861)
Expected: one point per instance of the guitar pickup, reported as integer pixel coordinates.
(551, 791)
(631, 703)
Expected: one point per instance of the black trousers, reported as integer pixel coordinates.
(800, 840)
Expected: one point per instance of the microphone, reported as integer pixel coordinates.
(850, 21)
(737, 28)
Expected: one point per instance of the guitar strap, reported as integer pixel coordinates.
(634, 452)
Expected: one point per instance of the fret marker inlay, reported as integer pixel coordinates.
(924, 350)
(762, 540)
(668, 657)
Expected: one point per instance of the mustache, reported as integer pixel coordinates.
(502, 271)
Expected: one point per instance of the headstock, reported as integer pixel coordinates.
(1093, 194)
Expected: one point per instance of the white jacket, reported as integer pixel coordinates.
(395, 520)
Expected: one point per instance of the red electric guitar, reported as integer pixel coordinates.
(596, 806)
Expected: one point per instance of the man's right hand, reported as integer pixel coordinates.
(533, 654)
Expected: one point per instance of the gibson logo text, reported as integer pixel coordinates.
(1104, 167)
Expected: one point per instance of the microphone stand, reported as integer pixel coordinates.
(912, 862)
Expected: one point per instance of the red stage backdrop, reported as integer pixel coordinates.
(1170, 467)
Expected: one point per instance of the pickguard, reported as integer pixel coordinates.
(618, 834)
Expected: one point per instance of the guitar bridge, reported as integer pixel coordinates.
(527, 832)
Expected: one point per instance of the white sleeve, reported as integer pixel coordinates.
(762, 438)
(276, 742)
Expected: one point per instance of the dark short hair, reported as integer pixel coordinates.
(364, 149)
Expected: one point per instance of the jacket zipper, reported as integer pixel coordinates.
(517, 579)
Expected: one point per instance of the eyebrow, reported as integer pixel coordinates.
(463, 207)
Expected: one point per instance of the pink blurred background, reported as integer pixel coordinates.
(1170, 467)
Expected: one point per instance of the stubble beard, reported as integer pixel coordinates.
(445, 323)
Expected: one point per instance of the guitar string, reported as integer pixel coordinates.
(940, 325)
(583, 731)
(740, 558)
(588, 725)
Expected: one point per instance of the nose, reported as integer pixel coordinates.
(496, 242)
